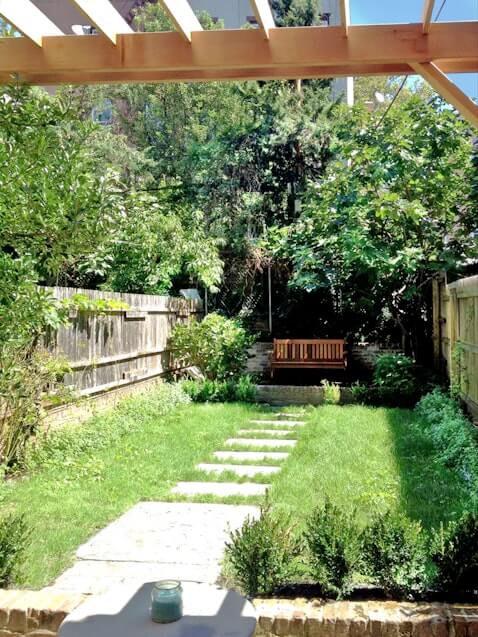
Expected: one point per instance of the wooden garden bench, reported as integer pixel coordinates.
(312, 353)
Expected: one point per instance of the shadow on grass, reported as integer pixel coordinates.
(429, 492)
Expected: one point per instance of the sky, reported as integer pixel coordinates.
(383, 11)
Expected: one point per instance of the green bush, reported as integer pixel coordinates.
(455, 555)
(331, 539)
(261, 552)
(217, 345)
(331, 393)
(13, 541)
(454, 438)
(394, 554)
(241, 389)
(395, 383)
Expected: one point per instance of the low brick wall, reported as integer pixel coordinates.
(364, 619)
(361, 356)
(40, 613)
(297, 395)
(34, 613)
(259, 358)
(80, 411)
(364, 355)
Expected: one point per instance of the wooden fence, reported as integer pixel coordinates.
(455, 333)
(119, 347)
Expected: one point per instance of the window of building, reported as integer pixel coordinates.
(103, 113)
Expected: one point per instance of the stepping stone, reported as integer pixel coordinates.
(251, 455)
(266, 432)
(153, 541)
(220, 489)
(241, 470)
(292, 415)
(281, 423)
(260, 442)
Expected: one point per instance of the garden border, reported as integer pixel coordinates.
(40, 613)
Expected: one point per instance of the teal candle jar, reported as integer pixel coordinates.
(166, 601)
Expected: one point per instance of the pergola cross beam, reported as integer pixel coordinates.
(184, 18)
(28, 19)
(427, 15)
(345, 15)
(263, 13)
(447, 89)
(104, 17)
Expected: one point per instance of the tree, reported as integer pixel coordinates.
(395, 207)
(290, 13)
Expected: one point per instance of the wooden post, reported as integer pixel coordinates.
(436, 323)
(269, 285)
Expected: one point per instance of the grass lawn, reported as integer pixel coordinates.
(358, 456)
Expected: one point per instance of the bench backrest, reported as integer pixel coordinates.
(308, 349)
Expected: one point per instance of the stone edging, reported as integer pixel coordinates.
(34, 613)
(301, 618)
(40, 613)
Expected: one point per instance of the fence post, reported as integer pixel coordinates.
(436, 334)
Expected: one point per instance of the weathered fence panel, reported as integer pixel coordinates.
(455, 308)
(119, 347)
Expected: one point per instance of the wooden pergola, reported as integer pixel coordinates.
(44, 55)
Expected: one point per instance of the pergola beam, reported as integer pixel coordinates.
(104, 16)
(263, 13)
(452, 46)
(448, 90)
(28, 19)
(222, 75)
(183, 16)
(427, 15)
(345, 15)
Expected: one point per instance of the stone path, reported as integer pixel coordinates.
(257, 456)
(155, 540)
(220, 489)
(276, 438)
(290, 423)
(260, 442)
(239, 469)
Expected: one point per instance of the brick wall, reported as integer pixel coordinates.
(297, 395)
(80, 411)
(34, 613)
(364, 619)
(259, 361)
(40, 613)
(361, 356)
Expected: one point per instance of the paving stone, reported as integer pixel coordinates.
(260, 442)
(266, 432)
(281, 423)
(220, 489)
(241, 470)
(291, 415)
(251, 455)
(156, 540)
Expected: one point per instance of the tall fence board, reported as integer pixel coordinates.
(455, 309)
(119, 347)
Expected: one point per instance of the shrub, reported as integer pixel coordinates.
(395, 383)
(240, 390)
(25, 375)
(331, 540)
(217, 345)
(261, 552)
(331, 392)
(394, 555)
(455, 555)
(13, 541)
(453, 436)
